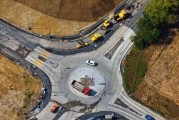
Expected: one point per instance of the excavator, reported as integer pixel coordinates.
(123, 14)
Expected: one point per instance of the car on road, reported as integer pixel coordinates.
(91, 62)
(54, 108)
(148, 117)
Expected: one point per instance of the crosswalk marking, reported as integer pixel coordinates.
(38, 63)
(45, 54)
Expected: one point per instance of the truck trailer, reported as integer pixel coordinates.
(77, 85)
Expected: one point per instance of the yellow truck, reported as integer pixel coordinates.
(123, 14)
(95, 37)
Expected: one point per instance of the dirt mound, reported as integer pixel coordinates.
(160, 89)
(76, 10)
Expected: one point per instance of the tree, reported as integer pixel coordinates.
(143, 39)
(147, 33)
(163, 11)
(157, 14)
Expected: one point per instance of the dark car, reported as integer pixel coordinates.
(148, 117)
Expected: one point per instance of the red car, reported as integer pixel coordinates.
(54, 108)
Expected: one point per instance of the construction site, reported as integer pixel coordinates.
(52, 17)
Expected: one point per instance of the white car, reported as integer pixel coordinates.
(91, 62)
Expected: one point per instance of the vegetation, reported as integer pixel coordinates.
(157, 15)
(134, 71)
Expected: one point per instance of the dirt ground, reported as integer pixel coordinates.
(19, 90)
(73, 14)
(77, 10)
(160, 88)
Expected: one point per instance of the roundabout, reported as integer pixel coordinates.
(89, 77)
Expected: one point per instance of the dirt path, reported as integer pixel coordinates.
(19, 90)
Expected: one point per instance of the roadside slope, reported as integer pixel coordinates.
(76, 10)
(19, 90)
(160, 88)
(56, 17)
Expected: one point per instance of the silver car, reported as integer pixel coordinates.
(91, 62)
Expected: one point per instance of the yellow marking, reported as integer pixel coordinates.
(38, 63)
(46, 54)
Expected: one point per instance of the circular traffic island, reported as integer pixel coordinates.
(87, 82)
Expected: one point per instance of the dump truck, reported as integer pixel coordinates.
(95, 37)
(81, 44)
(106, 24)
(77, 85)
(123, 14)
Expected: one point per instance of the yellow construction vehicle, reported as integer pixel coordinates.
(81, 44)
(106, 24)
(95, 37)
(123, 14)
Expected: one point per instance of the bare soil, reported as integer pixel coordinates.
(77, 10)
(160, 87)
(19, 90)
(56, 17)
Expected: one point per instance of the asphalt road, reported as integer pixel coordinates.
(100, 115)
(55, 79)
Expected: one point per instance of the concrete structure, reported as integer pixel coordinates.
(98, 79)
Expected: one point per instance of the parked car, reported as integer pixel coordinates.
(91, 62)
(54, 108)
(148, 117)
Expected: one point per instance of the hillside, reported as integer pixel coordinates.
(76, 10)
(160, 87)
(19, 90)
(70, 15)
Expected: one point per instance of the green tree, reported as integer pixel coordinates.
(147, 33)
(157, 14)
(162, 11)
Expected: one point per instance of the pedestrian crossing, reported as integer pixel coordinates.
(45, 54)
(38, 57)
(39, 63)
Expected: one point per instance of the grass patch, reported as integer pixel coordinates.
(28, 96)
(135, 67)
